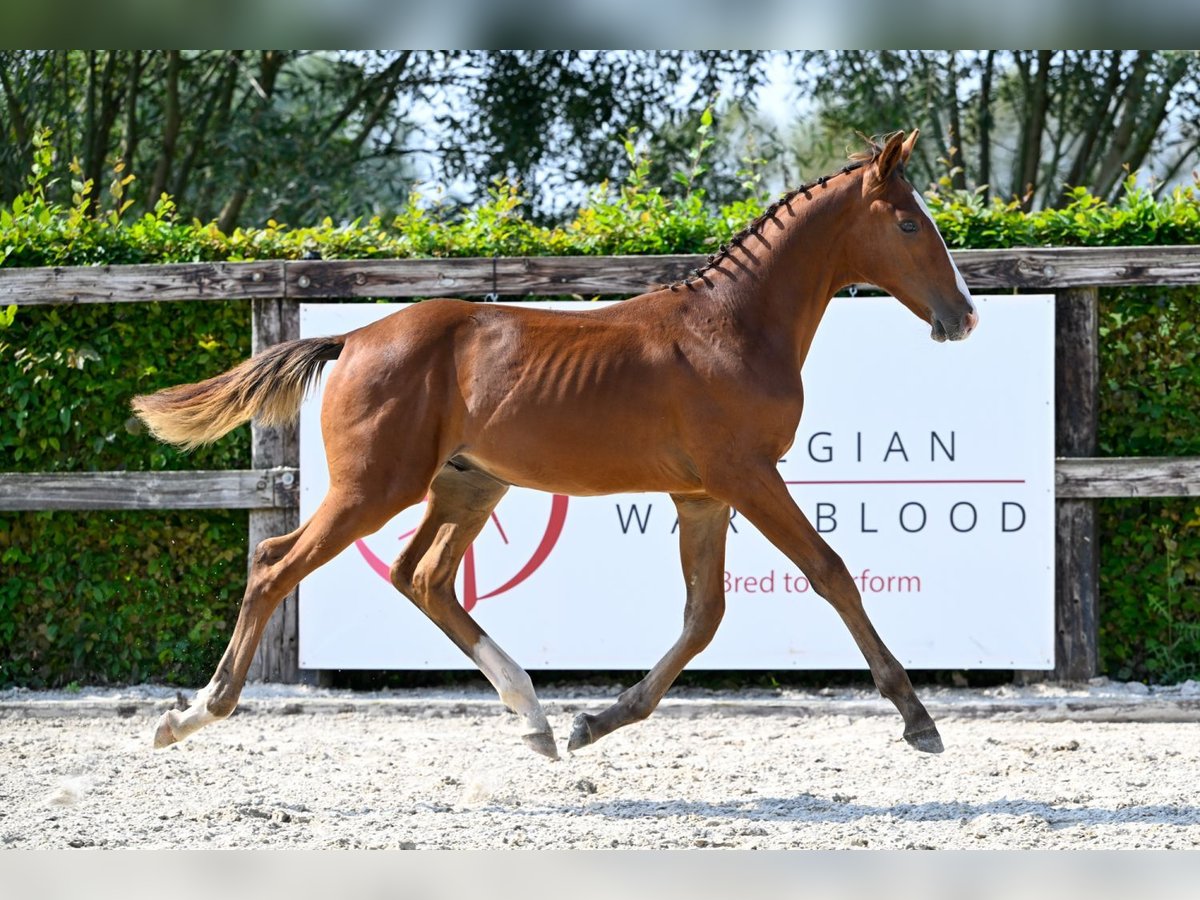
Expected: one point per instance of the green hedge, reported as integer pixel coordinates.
(113, 596)
(1150, 548)
(96, 597)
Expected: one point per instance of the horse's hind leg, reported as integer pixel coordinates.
(761, 495)
(703, 525)
(277, 567)
(460, 503)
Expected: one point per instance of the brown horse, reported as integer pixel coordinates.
(693, 389)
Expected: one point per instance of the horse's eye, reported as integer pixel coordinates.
(908, 225)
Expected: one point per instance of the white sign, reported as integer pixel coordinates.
(928, 467)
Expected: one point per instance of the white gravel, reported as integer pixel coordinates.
(306, 768)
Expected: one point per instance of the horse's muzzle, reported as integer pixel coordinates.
(954, 331)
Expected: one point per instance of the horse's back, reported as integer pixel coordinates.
(577, 402)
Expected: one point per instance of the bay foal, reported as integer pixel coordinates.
(693, 390)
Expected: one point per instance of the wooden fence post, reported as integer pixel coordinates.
(1076, 381)
(277, 658)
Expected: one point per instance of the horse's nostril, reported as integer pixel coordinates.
(972, 321)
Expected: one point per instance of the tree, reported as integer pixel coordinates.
(226, 133)
(243, 136)
(1023, 124)
(557, 120)
(236, 135)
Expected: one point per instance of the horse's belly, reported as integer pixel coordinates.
(583, 474)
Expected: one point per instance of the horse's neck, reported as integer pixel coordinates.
(782, 288)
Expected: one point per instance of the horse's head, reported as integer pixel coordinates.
(899, 249)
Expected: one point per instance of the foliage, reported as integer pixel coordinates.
(636, 216)
(117, 597)
(241, 136)
(1150, 556)
(1137, 218)
(161, 588)
(1023, 123)
(113, 596)
(110, 596)
(237, 136)
(218, 129)
(555, 118)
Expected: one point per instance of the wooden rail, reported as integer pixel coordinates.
(138, 284)
(1019, 268)
(1147, 476)
(278, 488)
(270, 489)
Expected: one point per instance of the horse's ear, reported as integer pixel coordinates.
(906, 148)
(891, 156)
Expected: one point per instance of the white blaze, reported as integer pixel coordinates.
(958, 279)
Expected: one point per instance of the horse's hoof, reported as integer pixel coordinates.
(581, 733)
(541, 742)
(927, 740)
(164, 734)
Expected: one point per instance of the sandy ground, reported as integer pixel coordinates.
(435, 773)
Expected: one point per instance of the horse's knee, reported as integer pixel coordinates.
(262, 585)
(699, 631)
(833, 581)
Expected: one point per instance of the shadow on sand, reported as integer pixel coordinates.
(811, 808)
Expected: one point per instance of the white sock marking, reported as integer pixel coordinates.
(196, 716)
(511, 683)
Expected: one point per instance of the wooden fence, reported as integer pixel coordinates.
(270, 488)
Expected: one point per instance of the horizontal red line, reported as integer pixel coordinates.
(921, 481)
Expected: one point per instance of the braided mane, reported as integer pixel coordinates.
(857, 161)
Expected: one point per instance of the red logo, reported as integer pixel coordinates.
(471, 593)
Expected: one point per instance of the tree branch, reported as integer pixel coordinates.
(958, 171)
(109, 104)
(391, 74)
(129, 147)
(1095, 123)
(1035, 126)
(170, 129)
(216, 98)
(271, 61)
(1110, 169)
(1155, 112)
(985, 124)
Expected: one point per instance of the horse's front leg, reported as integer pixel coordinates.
(703, 524)
(759, 493)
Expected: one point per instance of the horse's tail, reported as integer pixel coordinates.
(268, 387)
